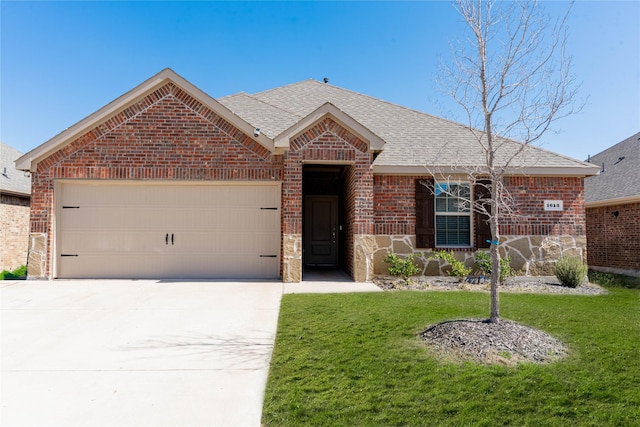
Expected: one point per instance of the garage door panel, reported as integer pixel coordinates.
(107, 241)
(228, 266)
(93, 265)
(112, 218)
(134, 230)
(225, 241)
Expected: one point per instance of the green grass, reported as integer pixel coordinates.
(355, 360)
(18, 273)
(614, 280)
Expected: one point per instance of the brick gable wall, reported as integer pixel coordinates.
(613, 242)
(166, 136)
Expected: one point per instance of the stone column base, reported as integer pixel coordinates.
(37, 261)
(292, 258)
(364, 248)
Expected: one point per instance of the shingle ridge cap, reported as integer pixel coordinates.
(263, 92)
(617, 146)
(253, 97)
(233, 95)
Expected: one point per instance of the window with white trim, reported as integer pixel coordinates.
(453, 214)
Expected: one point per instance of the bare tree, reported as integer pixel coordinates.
(511, 78)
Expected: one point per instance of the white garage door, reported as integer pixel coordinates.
(109, 229)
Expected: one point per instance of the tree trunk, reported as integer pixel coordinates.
(495, 257)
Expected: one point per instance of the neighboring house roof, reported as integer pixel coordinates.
(412, 140)
(407, 141)
(620, 180)
(12, 181)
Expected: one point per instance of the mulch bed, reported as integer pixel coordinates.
(521, 284)
(505, 342)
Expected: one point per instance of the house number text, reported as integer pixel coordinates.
(553, 205)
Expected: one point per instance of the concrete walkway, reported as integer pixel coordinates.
(141, 352)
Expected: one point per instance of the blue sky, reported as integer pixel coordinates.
(62, 61)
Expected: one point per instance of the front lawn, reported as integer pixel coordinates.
(355, 360)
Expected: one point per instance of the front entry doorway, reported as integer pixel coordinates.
(323, 229)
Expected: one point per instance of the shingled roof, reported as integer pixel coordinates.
(412, 140)
(406, 141)
(620, 180)
(12, 181)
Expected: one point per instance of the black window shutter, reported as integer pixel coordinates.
(425, 214)
(482, 227)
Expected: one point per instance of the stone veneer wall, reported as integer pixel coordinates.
(14, 231)
(535, 239)
(530, 255)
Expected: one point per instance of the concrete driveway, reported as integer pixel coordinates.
(135, 353)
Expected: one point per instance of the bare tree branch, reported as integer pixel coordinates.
(511, 78)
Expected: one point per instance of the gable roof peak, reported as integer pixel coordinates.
(152, 84)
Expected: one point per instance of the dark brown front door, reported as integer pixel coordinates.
(321, 231)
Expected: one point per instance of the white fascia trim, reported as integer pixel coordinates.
(328, 110)
(612, 202)
(29, 161)
(526, 171)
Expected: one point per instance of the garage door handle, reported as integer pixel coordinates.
(166, 239)
(171, 238)
(268, 256)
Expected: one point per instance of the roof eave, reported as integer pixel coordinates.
(614, 201)
(15, 193)
(524, 171)
(29, 161)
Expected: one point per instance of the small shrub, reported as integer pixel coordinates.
(18, 273)
(458, 269)
(483, 261)
(404, 268)
(571, 271)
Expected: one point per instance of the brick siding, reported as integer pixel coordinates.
(529, 194)
(165, 136)
(14, 231)
(394, 200)
(614, 241)
(168, 135)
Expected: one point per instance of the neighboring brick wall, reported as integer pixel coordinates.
(14, 231)
(167, 135)
(614, 241)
